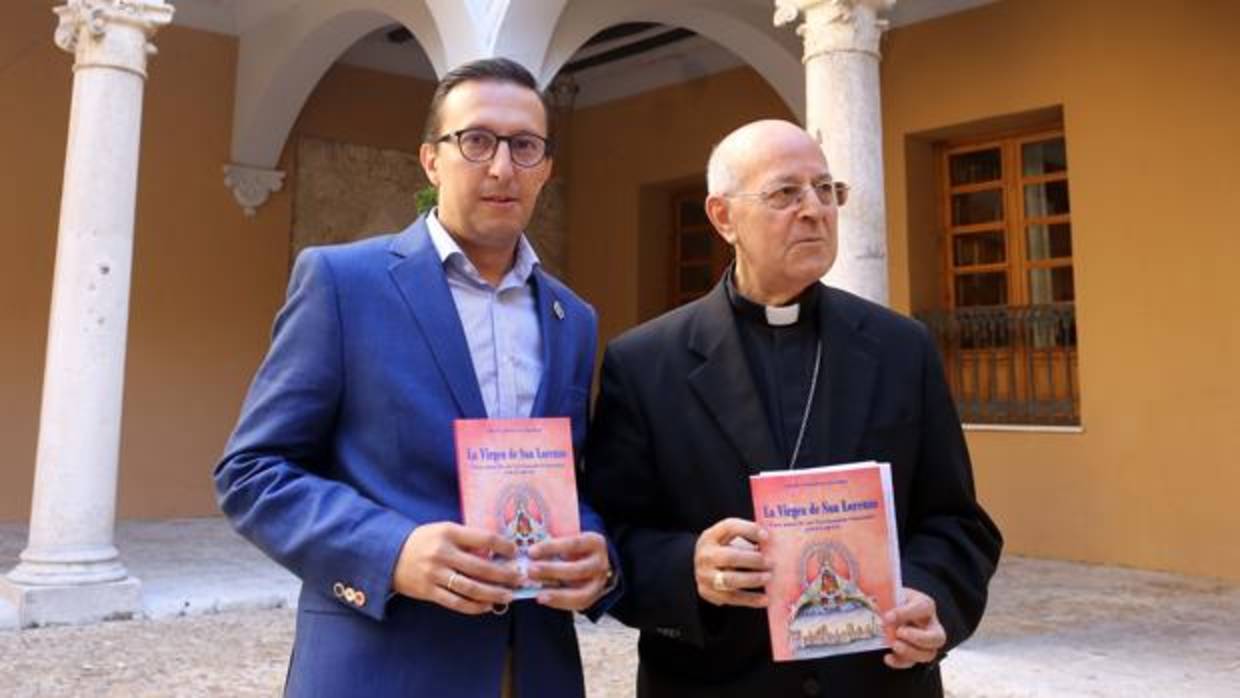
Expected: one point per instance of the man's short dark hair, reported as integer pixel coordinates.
(483, 70)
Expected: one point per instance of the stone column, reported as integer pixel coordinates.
(70, 571)
(843, 112)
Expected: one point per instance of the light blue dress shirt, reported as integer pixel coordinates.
(501, 324)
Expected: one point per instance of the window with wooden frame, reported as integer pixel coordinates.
(1009, 332)
(699, 255)
(1007, 217)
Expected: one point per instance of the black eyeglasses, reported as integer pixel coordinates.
(481, 144)
(829, 193)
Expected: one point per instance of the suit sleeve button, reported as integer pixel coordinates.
(359, 598)
(338, 590)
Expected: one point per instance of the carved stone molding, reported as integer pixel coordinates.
(84, 26)
(835, 25)
(252, 186)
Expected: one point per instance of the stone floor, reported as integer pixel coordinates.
(1065, 629)
(218, 624)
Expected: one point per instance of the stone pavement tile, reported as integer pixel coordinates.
(12, 540)
(186, 566)
(1052, 629)
(191, 566)
(8, 616)
(609, 656)
(233, 655)
(1057, 628)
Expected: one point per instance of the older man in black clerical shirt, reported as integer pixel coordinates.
(775, 370)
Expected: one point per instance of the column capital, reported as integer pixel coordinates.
(252, 186)
(86, 30)
(835, 25)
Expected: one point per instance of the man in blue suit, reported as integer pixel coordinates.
(342, 466)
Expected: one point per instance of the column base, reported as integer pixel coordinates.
(39, 605)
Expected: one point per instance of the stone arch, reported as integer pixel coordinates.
(743, 29)
(282, 60)
(524, 32)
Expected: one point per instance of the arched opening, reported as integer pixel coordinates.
(743, 29)
(282, 62)
(650, 100)
(352, 154)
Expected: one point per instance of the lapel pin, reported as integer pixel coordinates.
(558, 310)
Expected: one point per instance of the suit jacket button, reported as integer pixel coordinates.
(359, 598)
(811, 686)
(338, 590)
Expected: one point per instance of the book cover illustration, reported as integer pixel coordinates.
(837, 563)
(517, 479)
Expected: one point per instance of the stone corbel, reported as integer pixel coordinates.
(252, 186)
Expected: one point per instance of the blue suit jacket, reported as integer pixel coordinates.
(345, 444)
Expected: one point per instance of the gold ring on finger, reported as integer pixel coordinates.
(452, 580)
(719, 583)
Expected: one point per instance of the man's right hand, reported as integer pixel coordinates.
(728, 567)
(450, 565)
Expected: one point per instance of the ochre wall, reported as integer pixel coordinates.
(618, 147)
(367, 107)
(1150, 102)
(206, 281)
(34, 93)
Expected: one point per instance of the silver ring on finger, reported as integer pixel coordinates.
(719, 583)
(452, 580)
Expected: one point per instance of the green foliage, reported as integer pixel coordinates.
(426, 199)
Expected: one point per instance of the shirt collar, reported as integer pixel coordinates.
(800, 311)
(451, 254)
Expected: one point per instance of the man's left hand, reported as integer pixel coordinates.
(919, 635)
(575, 568)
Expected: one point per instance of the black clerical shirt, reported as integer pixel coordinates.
(781, 361)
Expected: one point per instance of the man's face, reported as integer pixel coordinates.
(486, 204)
(779, 251)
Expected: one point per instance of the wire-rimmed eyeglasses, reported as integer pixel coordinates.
(829, 193)
(481, 144)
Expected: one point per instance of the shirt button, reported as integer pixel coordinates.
(811, 686)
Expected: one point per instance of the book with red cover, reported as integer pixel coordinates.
(517, 479)
(837, 561)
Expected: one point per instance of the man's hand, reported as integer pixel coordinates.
(919, 635)
(448, 564)
(726, 563)
(578, 577)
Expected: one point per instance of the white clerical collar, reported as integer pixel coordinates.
(772, 315)
(781, 316)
